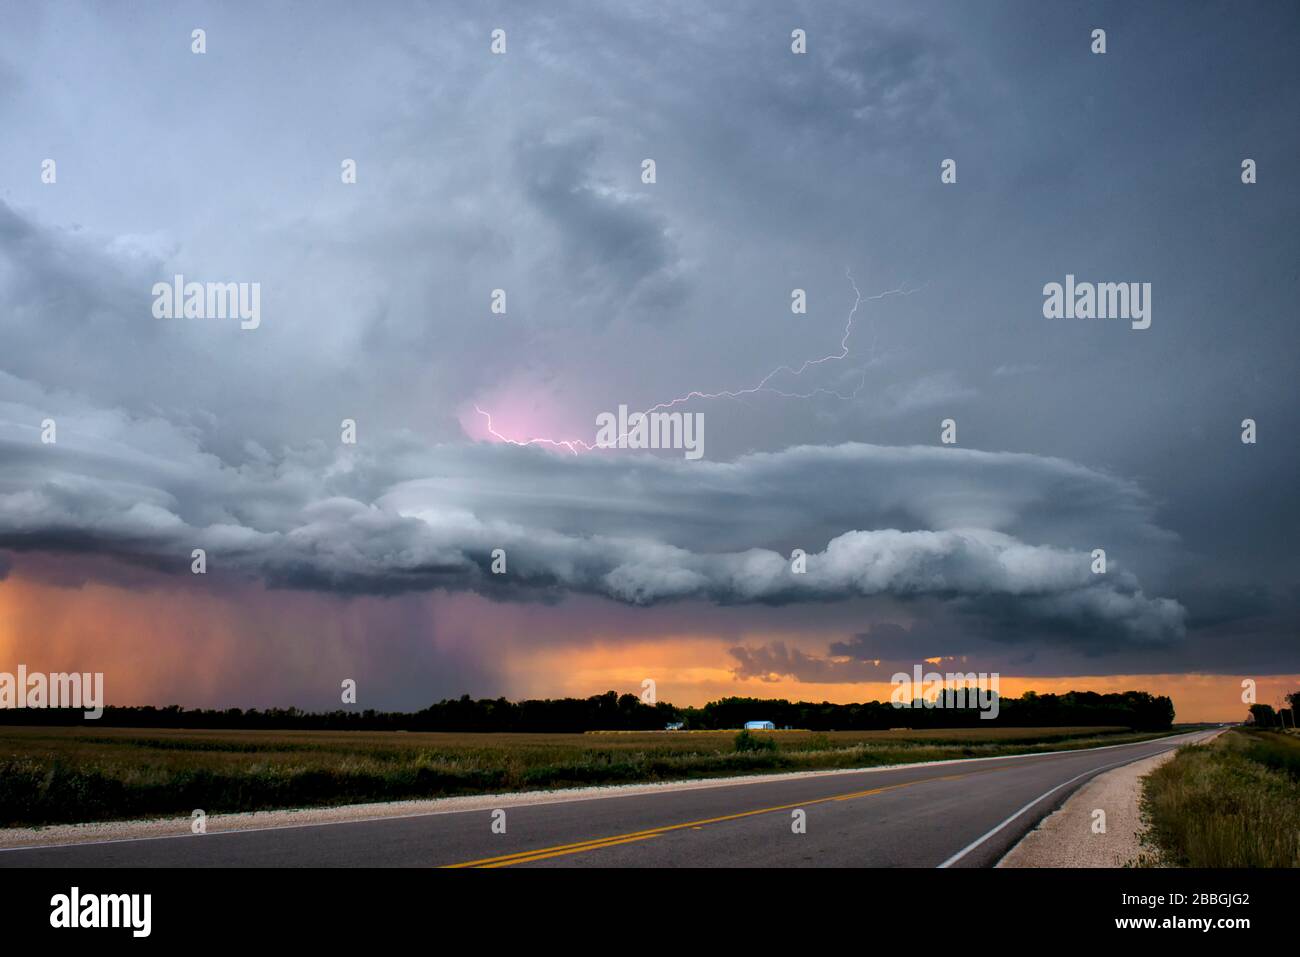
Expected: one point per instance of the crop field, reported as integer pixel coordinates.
(79, 774)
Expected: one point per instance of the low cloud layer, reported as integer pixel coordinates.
(396, 516)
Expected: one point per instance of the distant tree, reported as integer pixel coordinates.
(1263, 716)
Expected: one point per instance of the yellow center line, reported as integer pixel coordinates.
(560, 850)
(543, 854)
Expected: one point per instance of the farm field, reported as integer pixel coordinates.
(76, 774)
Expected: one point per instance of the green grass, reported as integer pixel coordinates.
(64, 775)
(1232, 803)
(745, 741)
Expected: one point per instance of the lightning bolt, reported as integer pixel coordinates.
(575, 446)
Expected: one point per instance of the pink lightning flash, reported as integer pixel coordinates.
(576, 445)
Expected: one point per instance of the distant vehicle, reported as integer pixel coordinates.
(674, 725)
(759, 726)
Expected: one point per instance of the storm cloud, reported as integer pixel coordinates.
(775, 173)
(401, 516)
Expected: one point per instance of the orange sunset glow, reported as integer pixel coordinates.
(196, 647)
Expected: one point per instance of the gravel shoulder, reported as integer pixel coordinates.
(1066, 837)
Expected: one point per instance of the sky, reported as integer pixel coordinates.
(774, 171)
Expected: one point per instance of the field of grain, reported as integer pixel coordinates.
(76, 774)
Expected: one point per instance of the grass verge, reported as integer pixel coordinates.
(1234, 802)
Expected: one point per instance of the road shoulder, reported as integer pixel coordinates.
(1072, 836)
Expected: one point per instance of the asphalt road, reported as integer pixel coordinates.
(958, 814)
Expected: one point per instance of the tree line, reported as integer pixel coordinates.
(613, 712)
(1265, 716)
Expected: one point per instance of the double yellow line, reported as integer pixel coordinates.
(562, 850)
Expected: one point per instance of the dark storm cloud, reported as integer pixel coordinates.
(612, 241)
(775, 662)
(627, 528)
(775, 171)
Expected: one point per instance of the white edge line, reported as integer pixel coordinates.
(980, 840)
(668, 787)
